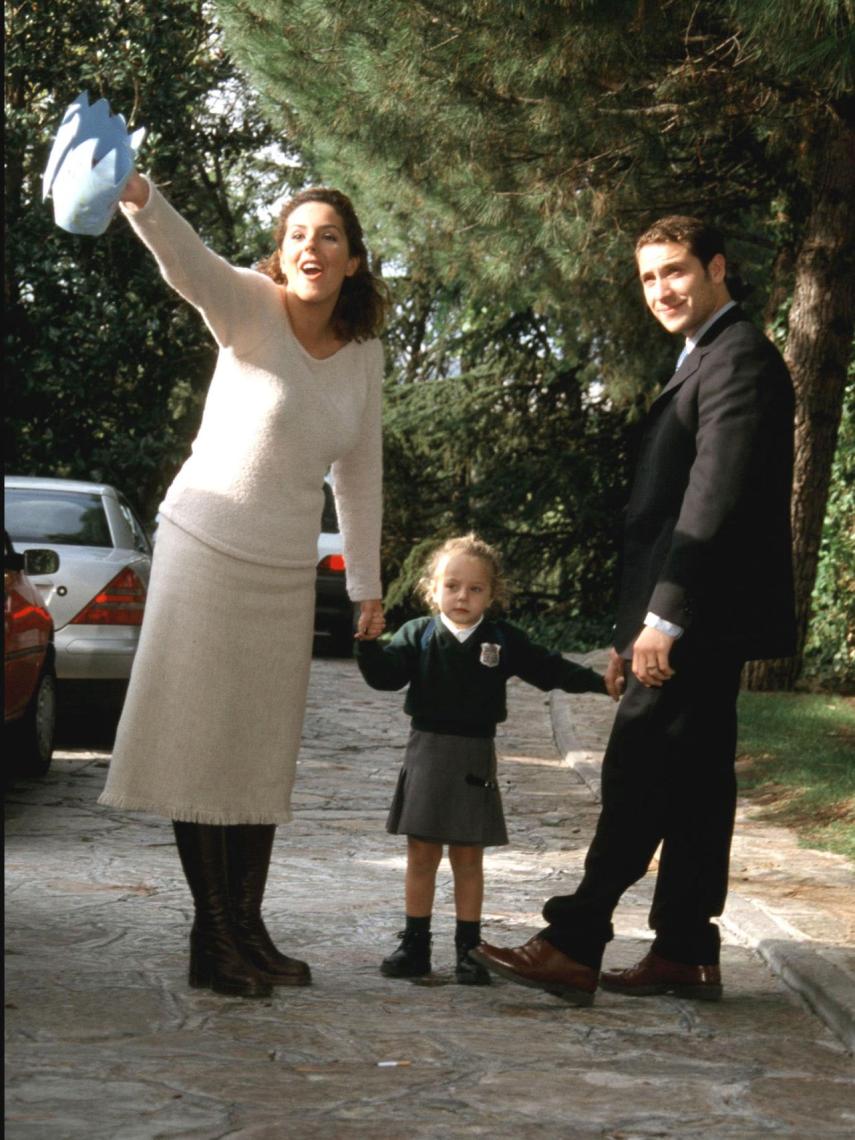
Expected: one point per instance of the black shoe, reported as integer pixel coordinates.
(411, 959)
(468, 972)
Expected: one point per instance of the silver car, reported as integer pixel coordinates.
(97, 596)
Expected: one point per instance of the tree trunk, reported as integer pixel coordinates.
(818, 352)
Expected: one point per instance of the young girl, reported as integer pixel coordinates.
(457, 664)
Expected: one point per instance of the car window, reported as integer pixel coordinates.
(329, 518)
(141, 541)
(73, 517)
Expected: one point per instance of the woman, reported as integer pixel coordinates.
(211, 726)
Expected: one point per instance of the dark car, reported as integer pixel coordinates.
(334, 611)
(29, 661)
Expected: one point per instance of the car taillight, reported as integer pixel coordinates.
(332, 562)
(121, 602)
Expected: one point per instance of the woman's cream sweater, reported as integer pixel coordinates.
(275, 419)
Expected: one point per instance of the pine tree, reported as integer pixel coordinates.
(499, 432)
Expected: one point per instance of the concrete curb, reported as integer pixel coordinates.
(583, 761)
(826, 988)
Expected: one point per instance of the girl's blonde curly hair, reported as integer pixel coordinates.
(471, 546)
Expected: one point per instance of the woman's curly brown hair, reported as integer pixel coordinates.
(360, 311)
(471, 546)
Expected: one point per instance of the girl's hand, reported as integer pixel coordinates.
(371, 621)
(615, 677)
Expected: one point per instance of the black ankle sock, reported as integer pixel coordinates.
(467, 934)
(418, 925)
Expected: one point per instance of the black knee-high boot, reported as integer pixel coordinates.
(249, 847)
(215, 960)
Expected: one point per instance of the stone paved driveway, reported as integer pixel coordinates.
(106, 1042)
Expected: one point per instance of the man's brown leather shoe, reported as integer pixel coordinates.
(655, 975)
(540, 965)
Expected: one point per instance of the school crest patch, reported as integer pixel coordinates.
(490, 654)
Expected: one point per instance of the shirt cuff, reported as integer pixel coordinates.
(664, 626)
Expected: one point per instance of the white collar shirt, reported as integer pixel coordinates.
(461, 632)
(691, 341)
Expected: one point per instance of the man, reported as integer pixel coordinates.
(706, 585)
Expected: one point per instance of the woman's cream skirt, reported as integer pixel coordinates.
(211, 726)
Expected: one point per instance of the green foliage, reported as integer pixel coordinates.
(830, 649)
(796, 757)
(524, 146)
(812, 42)
(500, 433)
(105, 368)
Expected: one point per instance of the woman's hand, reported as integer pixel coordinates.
(371, 622)
(135, 192)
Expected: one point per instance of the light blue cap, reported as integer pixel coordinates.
(90, 162)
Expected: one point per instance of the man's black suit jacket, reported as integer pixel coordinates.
(707, 541)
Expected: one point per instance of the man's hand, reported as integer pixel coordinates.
(650, 654)
(371, 622)
(615, 675)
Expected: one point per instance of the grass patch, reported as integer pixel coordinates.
(796, 758)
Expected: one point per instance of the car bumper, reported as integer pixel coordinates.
(96, 653)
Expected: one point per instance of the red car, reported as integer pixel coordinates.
(29, 661)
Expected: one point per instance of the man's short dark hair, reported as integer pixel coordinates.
(700, 238)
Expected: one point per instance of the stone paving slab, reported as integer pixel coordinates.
(105, 1041)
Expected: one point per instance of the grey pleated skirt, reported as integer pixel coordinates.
(447, 791)
(211, 726)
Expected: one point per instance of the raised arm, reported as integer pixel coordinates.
(229, 299)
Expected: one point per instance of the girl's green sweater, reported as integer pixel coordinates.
(459, 687)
